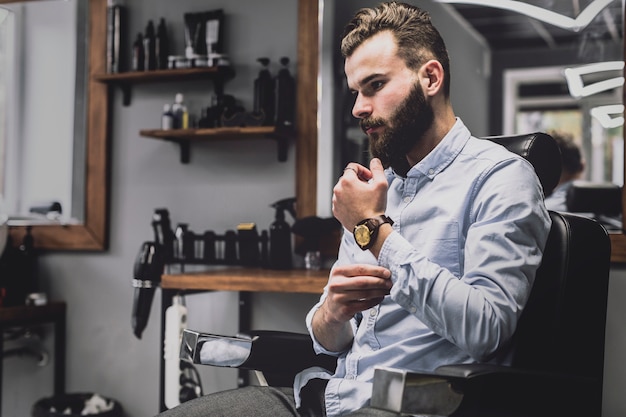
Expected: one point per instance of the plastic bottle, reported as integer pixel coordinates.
(280, 237)
(162, 46)
(264, 93)
(175, 323)
(181, 117)
(285, 96)
(138, 54)
(149, 47)
(167, 119)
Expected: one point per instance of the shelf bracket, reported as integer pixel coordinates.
(126, 94)
(282, 136)
(185, 151)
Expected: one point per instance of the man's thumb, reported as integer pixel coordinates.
(377, 168)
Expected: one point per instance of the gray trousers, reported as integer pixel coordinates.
(256, 401)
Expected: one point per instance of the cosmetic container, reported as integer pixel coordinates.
(285, 96)
(264, 93)
(280, 237)
(149, 47)
(162, 45)
(138, 54)
(181, 116)
(167, 119)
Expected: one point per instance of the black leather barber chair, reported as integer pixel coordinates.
(599, 200)
(558, 361)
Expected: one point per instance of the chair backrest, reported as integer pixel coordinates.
(541, 150)
(563, 325)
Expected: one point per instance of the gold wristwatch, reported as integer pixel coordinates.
(365, 231)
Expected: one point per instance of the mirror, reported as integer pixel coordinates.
(314, 195)
(89, 230)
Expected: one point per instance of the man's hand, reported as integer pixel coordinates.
(360, 193)
(351, 289)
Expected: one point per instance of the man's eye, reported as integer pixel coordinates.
(377, 85)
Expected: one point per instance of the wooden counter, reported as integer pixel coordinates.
(249, 279)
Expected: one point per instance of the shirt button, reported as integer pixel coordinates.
(407, 199)
(372, 312)
(431, 171)
(412, 310)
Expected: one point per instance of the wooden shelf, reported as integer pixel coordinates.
(184, 136)
(25, 315)
(249, 279)
(124, 80)
(209, 134)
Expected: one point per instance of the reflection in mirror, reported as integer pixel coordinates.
(90, 233)
(43, 107)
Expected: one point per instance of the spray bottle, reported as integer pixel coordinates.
(280, 235)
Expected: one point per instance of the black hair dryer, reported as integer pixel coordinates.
(148, 269)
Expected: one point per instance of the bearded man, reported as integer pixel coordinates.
(443, 233)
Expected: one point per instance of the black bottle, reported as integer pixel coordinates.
(149, 47)
(264, 93)
(162, 46)
(138, 55)
(285, 96)
(280, 238)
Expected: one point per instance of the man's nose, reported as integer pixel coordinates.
(362, 107)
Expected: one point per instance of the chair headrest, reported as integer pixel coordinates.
(593, 197)
(541, 150)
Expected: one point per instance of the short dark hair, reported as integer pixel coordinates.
(418, 40)
(571, 157)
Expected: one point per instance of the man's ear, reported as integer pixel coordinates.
(431, 74)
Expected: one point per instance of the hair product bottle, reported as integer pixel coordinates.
(181, 117)
(280, 237)
(167, 119)
(138, 55)
(149, 47)
(162, 46)
(264, 93)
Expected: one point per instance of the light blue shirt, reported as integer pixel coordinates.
(469, 232)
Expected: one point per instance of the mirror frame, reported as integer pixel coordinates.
(92, 233)
(307, 104)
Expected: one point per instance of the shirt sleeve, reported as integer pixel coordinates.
(508, 228)
(317, 347)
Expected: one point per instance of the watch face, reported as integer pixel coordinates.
(362, 235)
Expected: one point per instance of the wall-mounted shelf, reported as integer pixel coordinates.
(125, 80)
(184, 137)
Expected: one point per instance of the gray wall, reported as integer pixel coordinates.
(225, 183)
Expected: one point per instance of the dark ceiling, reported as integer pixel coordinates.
(505, 30)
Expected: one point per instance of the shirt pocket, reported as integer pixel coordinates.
(439, 242)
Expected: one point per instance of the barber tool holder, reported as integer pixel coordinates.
(244, 247)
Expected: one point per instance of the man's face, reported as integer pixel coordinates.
(389, 101)
(413, 117)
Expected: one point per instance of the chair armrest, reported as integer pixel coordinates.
(260, 350)
(485, 390)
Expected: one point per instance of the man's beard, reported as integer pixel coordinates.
(404, 129)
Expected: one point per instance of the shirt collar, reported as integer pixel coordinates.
(443, 154)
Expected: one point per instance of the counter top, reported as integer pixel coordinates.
(248, 279)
